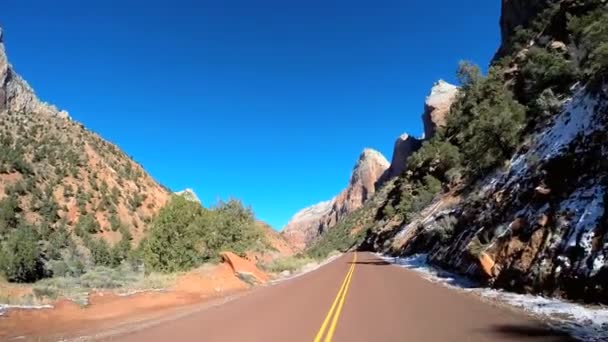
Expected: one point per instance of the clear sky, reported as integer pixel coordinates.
(267, 101)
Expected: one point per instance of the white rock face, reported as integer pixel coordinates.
(437, 106)
(15, 93)
(310, 222)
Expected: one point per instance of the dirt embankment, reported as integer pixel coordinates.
(111, 311)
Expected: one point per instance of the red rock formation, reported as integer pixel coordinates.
(310, 222)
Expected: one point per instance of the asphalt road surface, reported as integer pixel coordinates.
(357, 297)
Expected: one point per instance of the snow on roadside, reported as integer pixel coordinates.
(5, 307)
(582, 322)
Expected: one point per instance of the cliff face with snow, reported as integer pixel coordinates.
(540, 225)
(539, 222)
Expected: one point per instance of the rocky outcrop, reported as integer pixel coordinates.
(188, 194)
(310, 222)
(516, 13)
(437, 107)
(16, 95)
(245, 269)
(405, 145)
(307, 224)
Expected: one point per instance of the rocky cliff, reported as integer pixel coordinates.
(536, 221)
(437, 105)
(371, 173)
(16, 95)
(310, 222)
(405, 145)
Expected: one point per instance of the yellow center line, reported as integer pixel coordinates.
(338, 303)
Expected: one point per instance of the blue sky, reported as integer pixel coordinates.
(267, 101)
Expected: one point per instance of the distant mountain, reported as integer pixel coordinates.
(311, 222)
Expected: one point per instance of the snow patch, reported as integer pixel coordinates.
(5, 307)
(585, 323)
(588, 207)
(577, 117)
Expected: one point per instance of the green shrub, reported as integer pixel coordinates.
(20, 256)
(545, 69)
(184, 234)
(48, 209)
(115, 223)
(436, 157)
(86, 224)
(9, 207)
(485, 121)
(590, 33)
(172, 241)
(100, 252)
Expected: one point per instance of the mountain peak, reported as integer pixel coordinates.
(437, 106)
(188, 194)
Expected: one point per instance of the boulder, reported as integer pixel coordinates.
(487, 264)
(244, 269)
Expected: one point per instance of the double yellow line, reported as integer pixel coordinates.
(336, 307)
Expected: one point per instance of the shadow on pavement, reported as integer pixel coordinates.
(529, 332)
(378, 263)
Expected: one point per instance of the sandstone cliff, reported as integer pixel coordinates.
(437, 106)
(310, 222)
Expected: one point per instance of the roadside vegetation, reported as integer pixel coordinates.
(291, 264)
(70, 264)
(184, 234)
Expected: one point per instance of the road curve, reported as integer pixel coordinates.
(371, 301)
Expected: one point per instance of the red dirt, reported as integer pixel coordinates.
(107, 310)
(244, 266)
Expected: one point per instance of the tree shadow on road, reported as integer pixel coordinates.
(531, 332)
(375, 262)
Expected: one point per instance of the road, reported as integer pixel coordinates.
(357, 297)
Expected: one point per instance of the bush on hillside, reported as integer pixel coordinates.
(436, 157)
(20, 256)
(86, 224)
(184, 234)
(9, 207)
(545, 69)
(172, 243)
(590, 33)
(100, 251)
(485, 121)
(232, 227)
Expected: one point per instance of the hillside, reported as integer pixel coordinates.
(71, 202)
(509, 188)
